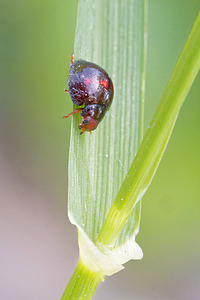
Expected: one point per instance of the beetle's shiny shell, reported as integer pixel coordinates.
(88, 83)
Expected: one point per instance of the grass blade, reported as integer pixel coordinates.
(111, 34)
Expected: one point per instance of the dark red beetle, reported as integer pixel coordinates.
(91, 87)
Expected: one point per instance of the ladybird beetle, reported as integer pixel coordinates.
(90, 86)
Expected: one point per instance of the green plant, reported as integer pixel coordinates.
(105, 183)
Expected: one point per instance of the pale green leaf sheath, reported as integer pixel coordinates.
(111, 34)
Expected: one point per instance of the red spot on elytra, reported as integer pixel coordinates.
(87, 81)
(104, 83)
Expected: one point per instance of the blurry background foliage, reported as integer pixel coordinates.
(39, 245)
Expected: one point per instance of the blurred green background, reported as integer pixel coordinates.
(38, 244)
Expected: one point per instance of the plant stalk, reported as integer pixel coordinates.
(82, 284)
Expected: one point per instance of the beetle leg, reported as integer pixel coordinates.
(76, 111)
(72, 59)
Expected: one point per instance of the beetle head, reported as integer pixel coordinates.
(88, 124)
